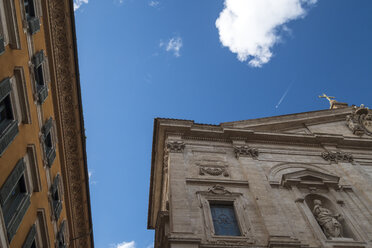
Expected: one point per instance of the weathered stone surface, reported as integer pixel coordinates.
(274, 171)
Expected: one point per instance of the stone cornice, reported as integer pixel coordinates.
(69, 117)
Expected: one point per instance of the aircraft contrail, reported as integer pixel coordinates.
(284, 95)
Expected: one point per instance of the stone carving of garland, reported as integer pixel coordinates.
(337, 156)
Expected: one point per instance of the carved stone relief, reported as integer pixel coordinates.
(360, 121)
(245, 151)
(218, 190)
(337, 156)
(213, 170)
(175, 146)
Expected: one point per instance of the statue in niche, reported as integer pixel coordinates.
(330, 223)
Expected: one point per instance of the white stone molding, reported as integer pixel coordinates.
(277, 171)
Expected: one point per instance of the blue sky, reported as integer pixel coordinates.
(142, 59)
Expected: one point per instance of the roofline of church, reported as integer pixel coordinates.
(335, 113)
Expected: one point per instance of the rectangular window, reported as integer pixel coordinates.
(20, 95)
(8, 125)
(224, 220)
(3, 28)
(32, 19)
(8, 26)
(49, 142)
(56, 197)
(6, 113)
(42, 230)
(40, 75)
(30, 241)
(61, 236)
(33, 177)
(14, 199)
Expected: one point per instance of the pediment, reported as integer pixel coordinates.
(330, 121)
(309, 177)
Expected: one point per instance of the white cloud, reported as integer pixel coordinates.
(150, 246)
(78, 3)
(154, 3)
(131, 244)
(173, 45)
(250, 28)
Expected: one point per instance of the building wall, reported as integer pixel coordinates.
(31, 133)
(272, 186)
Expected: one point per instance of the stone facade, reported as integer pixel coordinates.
(300, 180)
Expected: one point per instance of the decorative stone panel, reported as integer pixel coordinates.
(337, 156)
(175, 146)
(245, 151)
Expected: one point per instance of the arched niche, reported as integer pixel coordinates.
(308, 184)
(336, 213)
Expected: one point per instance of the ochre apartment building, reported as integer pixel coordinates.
(44, 189)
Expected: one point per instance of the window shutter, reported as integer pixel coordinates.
(8, 136)
(47, 126)
(2, 45)
(51, 155)
(55, 184)
(34, 25)
(21, 211)
(11, 181)
(38, 58)
(30, 237)
(61, 234)
(42, 94)
(57, 203)
(5, 88)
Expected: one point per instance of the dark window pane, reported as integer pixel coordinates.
(29, 9)
(224, 220)
(6, 113)
(48, 143)
(39, 77)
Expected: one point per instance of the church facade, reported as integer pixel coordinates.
(299, 180)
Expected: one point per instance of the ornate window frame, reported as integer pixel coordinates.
(8, 26)
(219, 194)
